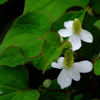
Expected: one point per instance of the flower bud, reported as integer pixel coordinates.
(47, 83)
(61, 40)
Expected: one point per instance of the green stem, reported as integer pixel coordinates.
(79, 56)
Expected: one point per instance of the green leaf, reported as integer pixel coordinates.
(12, 57)
(97, 24)
(38, 62)
(52, 48)
(3, 1)
(59, 24)
(95, 57)
(97, 67)
(29, 45)
(55, 7)
(14, 84)
(54, 85)
(78, 97)
(47, 96)
(95, 5)
(27, 32)
(24, 95)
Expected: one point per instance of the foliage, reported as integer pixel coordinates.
(31, 42)
(14, 84)
(3, 1)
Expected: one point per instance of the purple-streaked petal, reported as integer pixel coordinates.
(65, 32)
(68, 24)
(83, 66)
(75, 41)
(64, 80)
(86, 36)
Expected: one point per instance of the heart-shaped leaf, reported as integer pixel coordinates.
(52, 48)
(28, 44)
(14, 84)
(12, 57)
(26, 34)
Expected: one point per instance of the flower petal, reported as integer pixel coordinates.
(86, 36)
(83, 66)
(65, 32)
(64, 80)
(60, 59)
(58, 65)
(68, 24)
(75, 41)
(74, 74)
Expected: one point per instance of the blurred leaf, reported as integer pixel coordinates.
(95, 57)
(54, 85)
(47, 96)
(52, 50)
(95, 99)
(96, 8)
(3, 1)
(27, 32)
(78, 97)
(97, 24)
(59, 24)
(55, 7)
(97, 67)
(87, 95)
(95, 4)
(14, 84)
(12, 57)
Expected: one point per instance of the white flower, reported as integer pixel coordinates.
(75, 33)
(73, 72)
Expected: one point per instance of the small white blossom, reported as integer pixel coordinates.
(75, 33)
(73, 72)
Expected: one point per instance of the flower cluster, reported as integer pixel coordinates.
(71, 70)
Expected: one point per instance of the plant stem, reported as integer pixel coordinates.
(79, 56)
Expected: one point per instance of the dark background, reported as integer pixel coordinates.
(8, 13)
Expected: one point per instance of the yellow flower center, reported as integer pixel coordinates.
(77, 26)
(68, 59)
